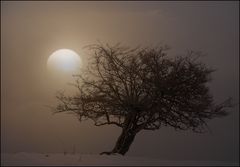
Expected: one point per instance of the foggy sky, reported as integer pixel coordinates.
(31, 31)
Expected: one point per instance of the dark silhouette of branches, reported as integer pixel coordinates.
(142, 89)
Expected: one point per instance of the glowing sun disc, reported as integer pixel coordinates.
(64, 60)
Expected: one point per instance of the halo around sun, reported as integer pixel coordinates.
(64, 60)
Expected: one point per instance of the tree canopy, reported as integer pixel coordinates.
(142, 89)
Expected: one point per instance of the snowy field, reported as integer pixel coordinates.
(24, 159)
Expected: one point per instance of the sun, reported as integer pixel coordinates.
(64, 60)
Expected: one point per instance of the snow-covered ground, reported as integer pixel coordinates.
(24, 159)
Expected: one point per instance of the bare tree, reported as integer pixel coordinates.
(142, 89)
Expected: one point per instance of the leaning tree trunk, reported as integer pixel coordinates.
(127, 136)
(123, 143)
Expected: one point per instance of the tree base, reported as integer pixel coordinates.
(110, 153)
(106, 152)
